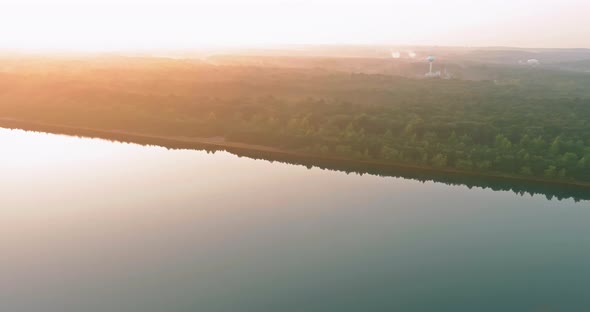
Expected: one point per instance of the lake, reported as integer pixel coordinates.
(93, 225)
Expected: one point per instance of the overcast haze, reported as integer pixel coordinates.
(161, 24)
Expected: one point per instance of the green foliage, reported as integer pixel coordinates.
(528, 130)
(439, 161)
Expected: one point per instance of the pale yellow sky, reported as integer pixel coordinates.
(177, 24)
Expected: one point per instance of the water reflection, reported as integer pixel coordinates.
(521, 187)
(95, 226)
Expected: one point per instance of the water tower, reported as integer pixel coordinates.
(430, 60)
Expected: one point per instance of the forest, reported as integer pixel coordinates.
(526, 124)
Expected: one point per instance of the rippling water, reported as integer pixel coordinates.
(91, 225)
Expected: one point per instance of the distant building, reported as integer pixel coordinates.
(431, 74)
(531, 62)
(436, 74)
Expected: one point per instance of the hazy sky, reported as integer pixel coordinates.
(155, 24)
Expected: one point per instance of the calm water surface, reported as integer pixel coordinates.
(89, 225)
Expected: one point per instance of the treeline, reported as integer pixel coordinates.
(532, 138)
(520, 129)
(518, 186)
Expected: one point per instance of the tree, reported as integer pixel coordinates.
(555, 146)
(526, 171)
(388, 136)
(582, 163)
(569, 160)
(502, 142)
(464, 164)
(439, 161)
(550, 172)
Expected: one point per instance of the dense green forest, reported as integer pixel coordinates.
(528, 124)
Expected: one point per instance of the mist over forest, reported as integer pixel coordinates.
(498, 111)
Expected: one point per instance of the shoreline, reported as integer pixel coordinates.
(220, 143)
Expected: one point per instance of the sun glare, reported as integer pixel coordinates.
(158, 24)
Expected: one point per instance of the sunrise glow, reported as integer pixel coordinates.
(159, 24)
